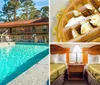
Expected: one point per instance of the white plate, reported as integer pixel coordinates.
(55, 7)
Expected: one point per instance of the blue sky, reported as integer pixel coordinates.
(39, 3)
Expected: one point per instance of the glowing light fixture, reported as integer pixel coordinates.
(76, 50)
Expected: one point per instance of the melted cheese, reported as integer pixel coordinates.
(74, 21)
(74, 33)
(95, 20)
(99, 9)
(85, 28)
(76, 13)
(89, 6)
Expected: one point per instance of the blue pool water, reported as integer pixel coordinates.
(16, 59)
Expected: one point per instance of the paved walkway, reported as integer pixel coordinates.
(36, 75)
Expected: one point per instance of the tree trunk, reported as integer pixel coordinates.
(15, 18)
(27, 14)
(8, 17)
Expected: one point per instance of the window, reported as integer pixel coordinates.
(2, 30)
(22, 37)
(10, 30)
(13, 30)
(45, 28)
(33, 29)
(13, 38)
(28, 29)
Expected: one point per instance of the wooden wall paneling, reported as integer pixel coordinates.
(94, 50)
(85, 55)
(55, 49)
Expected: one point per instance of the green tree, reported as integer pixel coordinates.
(37, 14)
(22, 10)
(44, 11)
(13, 6)
(5, 14)
(28, 9)
(9, 10)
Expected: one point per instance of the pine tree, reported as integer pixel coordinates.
(13, 6)
(22, 10)
(5, 14)
(9, 10)
(44, 11)
(28, 9)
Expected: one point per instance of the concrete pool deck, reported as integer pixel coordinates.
(38, 74)
(6, 44)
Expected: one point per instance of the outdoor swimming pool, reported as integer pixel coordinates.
(14, 60)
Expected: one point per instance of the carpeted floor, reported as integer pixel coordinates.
(75, 83)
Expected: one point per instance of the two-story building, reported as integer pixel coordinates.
(29, 30)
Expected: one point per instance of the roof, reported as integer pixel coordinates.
(40, 21)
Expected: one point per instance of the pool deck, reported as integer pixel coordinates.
(6, 44)
(36, 75)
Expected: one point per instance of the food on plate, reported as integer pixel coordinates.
(78, 19)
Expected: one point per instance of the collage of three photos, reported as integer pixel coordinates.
(50, 42)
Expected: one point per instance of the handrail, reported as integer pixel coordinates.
(4, 34)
